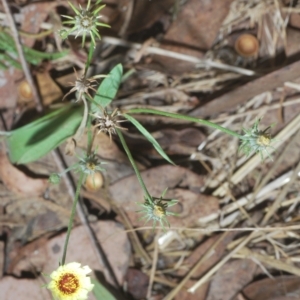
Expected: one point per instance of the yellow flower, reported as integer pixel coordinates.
(69, 282)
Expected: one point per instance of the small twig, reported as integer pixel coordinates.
(282, 195)
(210, 230)
(16, 37)
(154, 263)
(189, 58)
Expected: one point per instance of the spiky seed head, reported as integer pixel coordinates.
(256, 141)
(156, 209)
(108, 122)
(90, 164)
(85, 22)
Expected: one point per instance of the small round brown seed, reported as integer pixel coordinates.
(94, 182)
(246, 45)
(25, 90)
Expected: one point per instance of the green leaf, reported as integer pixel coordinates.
(100, 292)
(108, 88)
(36, 139)
(34, 57)
(149, 137)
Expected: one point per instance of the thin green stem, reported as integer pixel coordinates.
(80, 130)
(90, 56)
(137, 172)
(186, 118)
(78, 187)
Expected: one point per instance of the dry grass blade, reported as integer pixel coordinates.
(281, 196)
(270, 261)
(175, 291)
(154, 263)
(221, 263)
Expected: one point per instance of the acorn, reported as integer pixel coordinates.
(94, 182)
(247, 45)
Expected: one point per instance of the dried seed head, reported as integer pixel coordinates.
(82, 85)
(107, 122)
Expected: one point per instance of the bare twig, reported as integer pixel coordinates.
(189, 58)
(16, 37)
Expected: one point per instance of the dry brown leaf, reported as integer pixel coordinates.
(25, 289)
(231, 279)
(48, 88)
(9, 95)
(200, 293)
(270, 288)
(146, 13)
(32, 17)
(198, 23)
(182, 142)
(18, 182)
(137, 283)
(105, 147)
(111, 236)
(217, 252)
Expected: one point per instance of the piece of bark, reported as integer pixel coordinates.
(242, 94)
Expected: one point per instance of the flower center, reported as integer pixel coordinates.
(86, 22)
(109, 123)
(158, 211)
(91, 166)
(263, 140)
(68, 284)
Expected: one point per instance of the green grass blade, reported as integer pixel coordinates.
(100, 292)
(186, 118)
(149, 137)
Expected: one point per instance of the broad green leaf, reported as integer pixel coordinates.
(100, 292)
(149, 137)
(36, 139)
(108, 88)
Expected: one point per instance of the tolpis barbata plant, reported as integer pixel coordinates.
(91, 112)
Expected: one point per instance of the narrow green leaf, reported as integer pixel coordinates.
(149, 137)
(36, 139)
(32, 56)
(100, 292)
(108, 88)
